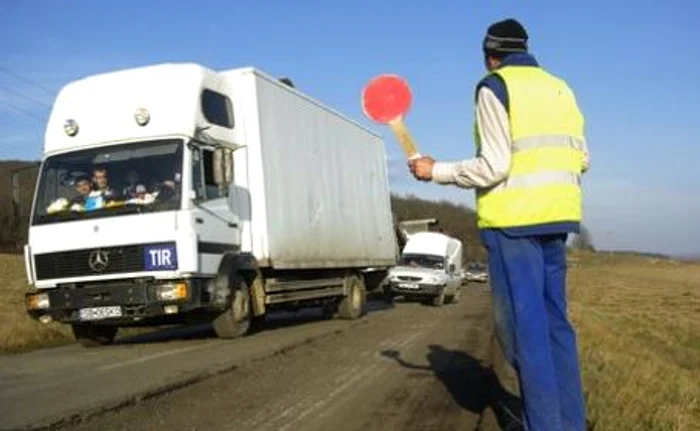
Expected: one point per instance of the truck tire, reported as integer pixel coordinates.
(352, 306)
(439, 300)
(92, 335)
(388, 298)
(236, 321)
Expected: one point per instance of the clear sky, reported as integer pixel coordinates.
(633, 64)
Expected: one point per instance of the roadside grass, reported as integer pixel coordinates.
(638, 323)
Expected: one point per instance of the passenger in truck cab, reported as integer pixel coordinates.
(168, 189)
(100, 181)
(133, 186)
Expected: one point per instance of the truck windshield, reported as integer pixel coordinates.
(109, 181)
(423, 261)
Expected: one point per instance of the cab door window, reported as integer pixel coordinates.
(203, 175)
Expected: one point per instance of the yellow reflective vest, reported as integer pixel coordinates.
(546, 129)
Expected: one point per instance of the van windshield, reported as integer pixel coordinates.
(423, 261)
(108, 181)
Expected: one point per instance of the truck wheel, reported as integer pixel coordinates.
(330, 310)
(439, 300)
(92, 336)
(388, 298)
(352, 306)
(236, 320)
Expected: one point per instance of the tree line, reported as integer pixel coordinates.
(456, 220)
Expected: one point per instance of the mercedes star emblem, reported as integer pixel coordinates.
(98, 260)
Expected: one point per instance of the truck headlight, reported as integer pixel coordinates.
(171, 292)
(38, 301)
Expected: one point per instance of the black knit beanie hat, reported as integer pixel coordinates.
(505, 37)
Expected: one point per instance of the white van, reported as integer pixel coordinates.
(430, 269)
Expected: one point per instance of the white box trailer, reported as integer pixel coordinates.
(317, 181)
(173, 193)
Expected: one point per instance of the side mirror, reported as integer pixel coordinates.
(223, 166)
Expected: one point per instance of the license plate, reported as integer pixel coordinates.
(98, 313)
(408, 285)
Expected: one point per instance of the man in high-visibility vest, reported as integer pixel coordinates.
(531, 153)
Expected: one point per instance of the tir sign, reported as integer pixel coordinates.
(160, 257)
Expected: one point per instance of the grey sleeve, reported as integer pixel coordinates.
(492, 164)
(586, 156)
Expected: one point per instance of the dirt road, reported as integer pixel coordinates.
(408, 367)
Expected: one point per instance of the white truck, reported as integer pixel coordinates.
(430, 269)
(173, 193)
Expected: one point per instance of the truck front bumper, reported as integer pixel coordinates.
(121, 303)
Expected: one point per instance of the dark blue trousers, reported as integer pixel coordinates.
(528, 282)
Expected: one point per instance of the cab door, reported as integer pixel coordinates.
(215, 222)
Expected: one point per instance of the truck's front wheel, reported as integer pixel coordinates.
(236, 320)
(92, 336)
(352, 306)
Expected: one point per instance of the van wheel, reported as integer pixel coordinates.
(352, 306)
(92, 336)
(454, 299)
(236, 321)
(439, 300)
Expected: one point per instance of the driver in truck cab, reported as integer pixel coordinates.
(83, 189)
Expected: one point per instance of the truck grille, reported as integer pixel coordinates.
(86, 262)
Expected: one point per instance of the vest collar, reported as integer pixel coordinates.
(519, 59)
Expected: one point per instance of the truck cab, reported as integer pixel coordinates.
(430, 269)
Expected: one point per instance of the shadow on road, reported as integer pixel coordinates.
(274, 320)
(472, 385)
(166, 334)
(285, 319)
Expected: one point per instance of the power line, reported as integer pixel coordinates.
(22, 96)
(22, 111)
(28, 81)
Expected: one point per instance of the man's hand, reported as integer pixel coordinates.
(422, 168)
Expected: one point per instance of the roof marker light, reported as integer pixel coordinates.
(142, 116)
(70, 127)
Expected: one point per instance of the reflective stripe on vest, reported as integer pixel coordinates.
(546, 127)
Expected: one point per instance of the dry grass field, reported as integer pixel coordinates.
(638, 321)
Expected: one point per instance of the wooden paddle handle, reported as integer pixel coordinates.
(404, 137)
